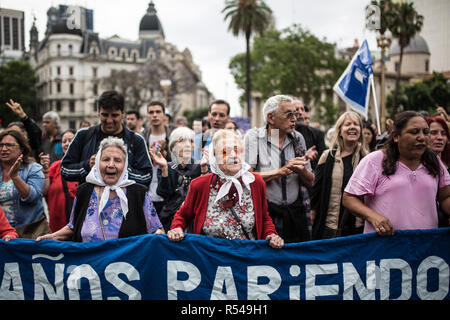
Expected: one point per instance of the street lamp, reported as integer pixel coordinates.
(165, 85)
(383, 41)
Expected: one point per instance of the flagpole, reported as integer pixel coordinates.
(375, 103)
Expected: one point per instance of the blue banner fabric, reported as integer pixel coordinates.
(409, 265)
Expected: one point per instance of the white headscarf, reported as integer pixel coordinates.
(95, 178)
(243, 173)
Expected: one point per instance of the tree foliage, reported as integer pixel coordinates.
(142, 85)
(17, 82)
(404, 22)
(425, 95)
(247, 17)
(195, 114)
(291, 61)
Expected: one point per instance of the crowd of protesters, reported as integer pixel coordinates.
(285, 182)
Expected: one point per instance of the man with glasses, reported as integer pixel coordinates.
(278, 153)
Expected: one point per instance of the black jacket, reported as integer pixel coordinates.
(133, 225)
(75, 163)
(313, 137)
(320, 199)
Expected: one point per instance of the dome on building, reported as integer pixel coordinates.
(416, 45)
(150, 21)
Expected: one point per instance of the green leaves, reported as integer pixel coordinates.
(291, 61)
(425, 95)
(17, 82)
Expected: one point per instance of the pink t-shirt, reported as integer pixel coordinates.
(407, 198)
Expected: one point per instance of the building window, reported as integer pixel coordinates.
(70, 50)
(58, 71)
(58, 106)
(112, 53)
(71, 88)
(22, 27)
(397, 66)
(15, 31)
(134, 57)
(6, 31)
(124, 56)
(72, 124)
(72, 106)
(94, 72)
(427, 66)
(58, 50)
(71, 71)
(58, 87)
(95, 89)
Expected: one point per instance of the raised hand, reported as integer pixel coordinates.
(16, 108)
(157, 157)
(14, 170)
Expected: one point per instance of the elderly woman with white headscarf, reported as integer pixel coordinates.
(109, 205)
(230, 202)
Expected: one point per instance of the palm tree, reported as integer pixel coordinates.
(247, 17)
(405, 24)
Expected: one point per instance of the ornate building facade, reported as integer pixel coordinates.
(74, 65)
(12, 35)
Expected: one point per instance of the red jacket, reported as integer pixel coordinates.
(5, 227)
(56, 199)
(196, 204)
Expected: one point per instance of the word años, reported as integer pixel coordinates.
(11, 287)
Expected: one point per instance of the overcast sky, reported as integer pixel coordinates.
(199, 26)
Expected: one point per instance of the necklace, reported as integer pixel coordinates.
(103, 221)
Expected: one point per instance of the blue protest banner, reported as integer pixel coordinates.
(354, 84)
(408, 265)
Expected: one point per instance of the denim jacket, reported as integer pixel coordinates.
(29, 209)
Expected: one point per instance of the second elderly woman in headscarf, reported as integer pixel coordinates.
(230, 202)
(109, 205)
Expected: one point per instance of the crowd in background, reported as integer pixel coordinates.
(285, 182)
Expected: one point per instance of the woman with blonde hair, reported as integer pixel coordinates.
(334, 169)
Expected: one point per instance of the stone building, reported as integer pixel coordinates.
(12, 35)
(73, 64)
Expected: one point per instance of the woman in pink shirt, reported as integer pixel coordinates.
(396, 188)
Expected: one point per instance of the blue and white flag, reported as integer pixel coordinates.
(354, 84)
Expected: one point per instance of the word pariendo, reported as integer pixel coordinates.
(344, 281)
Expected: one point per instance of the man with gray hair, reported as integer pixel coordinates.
(51, 137)
(278, 154)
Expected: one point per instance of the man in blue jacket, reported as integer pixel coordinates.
(80, 157)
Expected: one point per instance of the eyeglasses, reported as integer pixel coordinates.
(8, 145)
(227, 151)
(291, 115)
